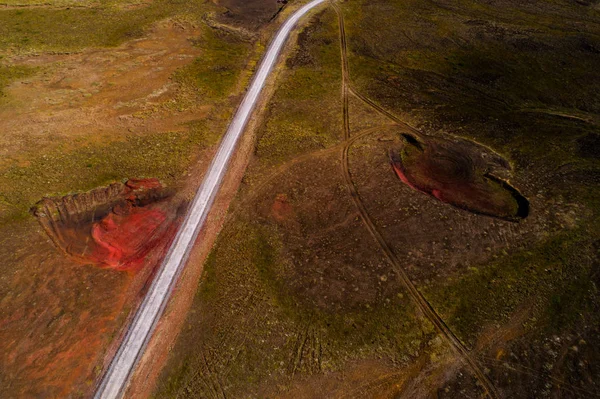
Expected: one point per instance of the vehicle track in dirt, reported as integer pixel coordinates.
(345, 73)
(425, 307)
(302, 158)
(428, 311)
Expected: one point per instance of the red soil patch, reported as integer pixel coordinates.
(123, 238)
(282, 209)
(114, 227)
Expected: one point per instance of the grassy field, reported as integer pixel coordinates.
(297, 299)
(35, 29)
(88, 97)
(88, 163)
(257, 322)
(11, 73)
(295, 270)
(311, 74)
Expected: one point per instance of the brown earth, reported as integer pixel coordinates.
(105, 91)
(84, 100)
(298, 291)
(250, 14)
(298, 298)
(460, 173)
(60, 317)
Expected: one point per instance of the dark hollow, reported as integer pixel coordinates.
(522, 202)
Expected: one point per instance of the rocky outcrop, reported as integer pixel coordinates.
(114, 226)
(460, 173)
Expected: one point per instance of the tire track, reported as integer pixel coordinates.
(345, 73)
(414, 293)
(384, 112)
(301, 158)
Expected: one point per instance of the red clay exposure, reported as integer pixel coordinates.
(125, 236)
(114, 227)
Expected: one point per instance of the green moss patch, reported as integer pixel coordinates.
(293, 123)
(216, 72)
(553, 275)
(72, 29)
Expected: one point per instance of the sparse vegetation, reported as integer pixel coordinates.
(296, 288)
(312, 75)
(11, 73)
(211, 78)
(542, 274)
(509, 76)
(82, 130)
(36, 29)
(215, 75)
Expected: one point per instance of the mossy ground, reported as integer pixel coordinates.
(45, 163)
(9, 73)
(249, 330)
(87, 162)
(162, 155)
(215, 74)
(311, 75)
(518, 78)
(72, 29)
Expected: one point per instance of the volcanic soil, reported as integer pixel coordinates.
(111, 142)
(334, 277)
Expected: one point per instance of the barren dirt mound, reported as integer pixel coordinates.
(459, 173)
(114, 226)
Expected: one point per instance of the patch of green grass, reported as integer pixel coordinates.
(10, 73)
(66, 3)
(58, 170)
(553, 274)
(204, 134)
(72, 29)
(218, 69)
(294, 124)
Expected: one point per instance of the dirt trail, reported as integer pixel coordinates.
(414, 293)
(345, 73)
(256, 191)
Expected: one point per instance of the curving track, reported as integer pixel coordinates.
(422, 303)
(140, 330)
